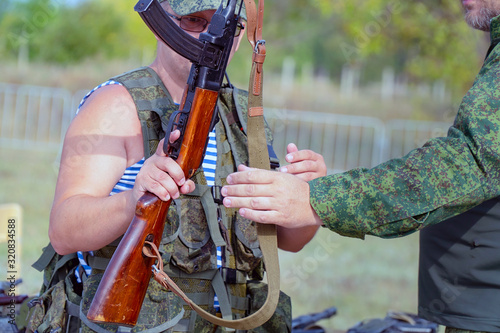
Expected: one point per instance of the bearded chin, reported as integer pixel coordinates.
(480, 20)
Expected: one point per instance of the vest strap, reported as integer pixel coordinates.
(149, 79)
(222, 296)
(99, 263)
(183, 325)
(201, 298)
(233, 276)
(46, 257)
(72, 308)
(239, 303)
(210, 209)
(207, 201)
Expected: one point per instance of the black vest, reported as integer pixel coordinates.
(459, 270)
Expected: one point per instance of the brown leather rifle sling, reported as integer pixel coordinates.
(258, 158)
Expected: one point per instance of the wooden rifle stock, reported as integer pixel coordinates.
(120, 294)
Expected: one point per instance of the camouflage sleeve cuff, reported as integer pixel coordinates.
(328, 197)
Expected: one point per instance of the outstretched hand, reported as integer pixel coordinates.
(270, 197)
(305, 164)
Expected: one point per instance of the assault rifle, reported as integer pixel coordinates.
(307, 323)
(122, 289)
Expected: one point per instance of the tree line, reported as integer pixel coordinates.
(422, 40)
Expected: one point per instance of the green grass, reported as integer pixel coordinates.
(28, 178)
(362, 278)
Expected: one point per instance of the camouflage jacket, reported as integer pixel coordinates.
(445, 177)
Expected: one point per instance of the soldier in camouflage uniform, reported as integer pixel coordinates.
(444, 178)
(110, 147)
(458, 284)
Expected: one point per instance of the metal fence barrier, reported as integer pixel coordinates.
(38, 117)
(406, 135)
(33, 116)
(344, 141)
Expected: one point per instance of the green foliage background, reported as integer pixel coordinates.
(423, 40)
(427, 39)
(55, 32)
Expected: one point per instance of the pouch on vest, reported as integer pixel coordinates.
(57, 307)
(56, 310)
(248, 255)
(281, 321)
(193, 249)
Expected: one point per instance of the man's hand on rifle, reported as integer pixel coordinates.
(162, 176)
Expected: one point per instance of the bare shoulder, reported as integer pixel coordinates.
(109, 120)
(106, 109)
(101, 142)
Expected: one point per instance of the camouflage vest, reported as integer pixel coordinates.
(196, 224)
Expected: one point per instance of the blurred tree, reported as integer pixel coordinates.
(425, 39)
(22, 22)
(3, 7)
(56, 32)
(136, 36)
